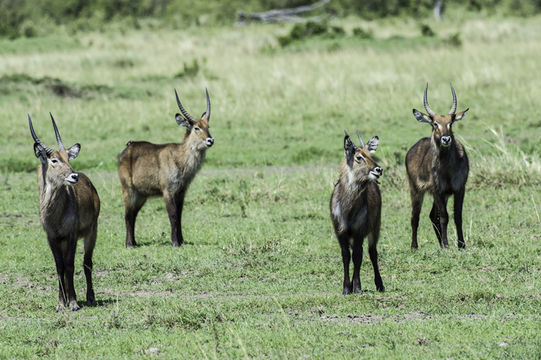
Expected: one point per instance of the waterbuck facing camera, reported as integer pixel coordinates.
(356, 209)
(147, 170)
(439, 165)
(68, 209)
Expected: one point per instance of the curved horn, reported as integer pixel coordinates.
(360, 139)
(57, 134)
(47, 149)
(425, 100)
(208, 104)
(184, 112)
(453, 107)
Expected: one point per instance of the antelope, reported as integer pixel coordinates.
(439, 165)
(69, 206)
(147, 169)
(356, 209)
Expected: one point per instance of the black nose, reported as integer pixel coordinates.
(378, 169)
(445, 139)
(74, 177)
(210, 142)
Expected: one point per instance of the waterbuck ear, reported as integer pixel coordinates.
(421, 117)
(40, 153)
(349, 147)
(372, 145)
(205, 116)
(73, 151)
(182, 121)
(461, 115)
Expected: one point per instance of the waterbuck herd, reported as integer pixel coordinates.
(69, 204)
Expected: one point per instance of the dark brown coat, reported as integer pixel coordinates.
(356, 210)
(147, 169)
(438, 165)
(69, 206)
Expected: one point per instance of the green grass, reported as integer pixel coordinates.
(261, 273)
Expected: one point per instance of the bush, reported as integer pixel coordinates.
(426, 30)
(361, 33)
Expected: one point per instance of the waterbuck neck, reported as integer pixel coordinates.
(444, 152)
(350, 188)
(55, 203)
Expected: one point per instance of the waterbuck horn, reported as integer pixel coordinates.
(453, 107)
(208, 105)
(425, 100)
(184, 112)
(57, 134)
(360, 139)
(47, 149)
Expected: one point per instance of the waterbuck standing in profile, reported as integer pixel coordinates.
(68, 209)
(439, 165)
(356, 209)
(147, 169)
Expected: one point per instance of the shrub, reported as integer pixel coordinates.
(362, 33)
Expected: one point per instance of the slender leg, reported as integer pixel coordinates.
(133, 203)
(373, 252)
(457, 212)
(69, 260)
(180, 205)
(435, 220)
(441, 203)
(89, 243)
(173, 204)
(59, 261)
(357, 261)
(416, 206)
(346, 257)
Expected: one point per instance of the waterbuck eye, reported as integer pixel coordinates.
(197, 128)
(359, 157)
(54, 161)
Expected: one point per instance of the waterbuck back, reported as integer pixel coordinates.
(438, 165)
(147, 169)
(356, 210)
(69, 206)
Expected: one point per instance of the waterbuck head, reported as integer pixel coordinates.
(359, 160)
(197, 130)
(442, 125)
(56, 169)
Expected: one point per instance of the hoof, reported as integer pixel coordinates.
(74, 306)
(91, 300)
(462, 246)
(60, 307)
(380, 288)
(347, 290)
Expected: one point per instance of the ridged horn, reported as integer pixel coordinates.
(425, 101)
(47, 149)
(453, 107)
(360, 139)
(208, 105)
(57, 134)
(183, 111)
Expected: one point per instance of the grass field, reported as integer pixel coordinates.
(260, 276)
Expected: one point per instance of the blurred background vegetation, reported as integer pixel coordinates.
(31, 18)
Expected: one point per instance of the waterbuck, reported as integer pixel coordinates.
(69, 206)
(356, 209)
(439, 165)
(147, 169)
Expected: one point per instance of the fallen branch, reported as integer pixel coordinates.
(278, 15)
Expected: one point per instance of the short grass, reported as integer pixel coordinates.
(261, 273)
